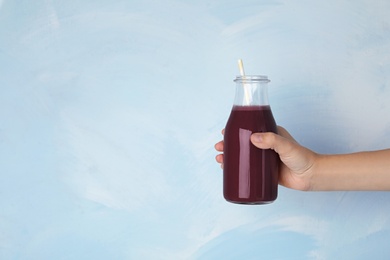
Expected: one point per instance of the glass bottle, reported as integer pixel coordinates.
(250, 174)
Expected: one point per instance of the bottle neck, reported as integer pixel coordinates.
(251, 91)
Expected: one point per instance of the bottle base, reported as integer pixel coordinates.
(251, 202)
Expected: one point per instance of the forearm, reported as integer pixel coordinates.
(356, 171)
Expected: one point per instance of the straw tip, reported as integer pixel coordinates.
(241, 67)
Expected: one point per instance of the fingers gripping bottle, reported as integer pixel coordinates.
(250, 174)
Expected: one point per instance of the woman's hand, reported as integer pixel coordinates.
(297, 162)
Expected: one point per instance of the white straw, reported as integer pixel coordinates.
(248, 97)
(241, 67)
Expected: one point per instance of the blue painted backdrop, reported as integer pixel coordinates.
(109, 111)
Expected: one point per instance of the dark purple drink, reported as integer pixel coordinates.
(250, 173)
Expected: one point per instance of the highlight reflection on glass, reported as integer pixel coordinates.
(244, 164)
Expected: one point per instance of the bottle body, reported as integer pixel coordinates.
(250, 173)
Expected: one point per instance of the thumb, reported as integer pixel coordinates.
(279, 144)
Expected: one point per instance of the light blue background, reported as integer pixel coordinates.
(109, 111)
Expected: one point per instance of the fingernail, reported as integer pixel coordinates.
(257, 138)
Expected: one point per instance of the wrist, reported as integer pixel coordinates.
(315, 180)
(306, 171)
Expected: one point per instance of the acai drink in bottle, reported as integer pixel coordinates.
(250, 174)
